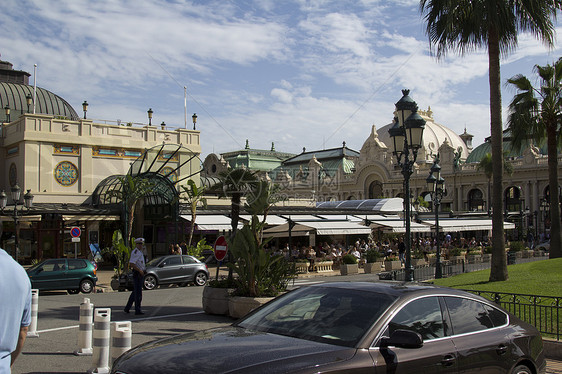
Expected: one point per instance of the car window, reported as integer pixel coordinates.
(467, 315)
(171, 261)
(498, 317)
(422, 316)
(74, 264)
(55, 265)
(188, 260)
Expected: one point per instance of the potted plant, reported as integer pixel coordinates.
(473, 256)
(301, 266)
(373, 262)
(392, 263)
(216, 295)
(516, 248)
(418, 258)
(455, 255)
(120, 253)
(487, 254)
(349, 265)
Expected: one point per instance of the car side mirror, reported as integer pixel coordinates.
(403, 339)
(161, 265)
(39, 270)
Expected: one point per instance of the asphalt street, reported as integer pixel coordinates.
(169, 311)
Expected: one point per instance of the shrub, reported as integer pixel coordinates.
(349, 259)
(372, 255)
(516, 246)
(487, 250)
(455, 251)
(418, 255)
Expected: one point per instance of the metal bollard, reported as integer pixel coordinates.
(85, 329)
(32, 330)
(100, 357)
(121, 340)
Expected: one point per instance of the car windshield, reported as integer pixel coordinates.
(331, 315)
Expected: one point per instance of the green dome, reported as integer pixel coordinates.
(479, 152)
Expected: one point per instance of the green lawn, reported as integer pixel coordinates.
(542, 278)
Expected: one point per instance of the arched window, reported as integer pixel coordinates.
(375, 190)
(513, 199)
(475, 200)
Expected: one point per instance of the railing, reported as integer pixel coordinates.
(543, 312)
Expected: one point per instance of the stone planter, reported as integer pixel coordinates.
(472, 259)
(114, 284)
(215, 300)
(372, 267)
(486, 257)
(346, 269)
(456, 259)
(239, 306)
(418, 262)
(528, 253)
(323, 266)
(392, 265)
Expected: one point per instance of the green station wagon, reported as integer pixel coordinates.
(71, 274)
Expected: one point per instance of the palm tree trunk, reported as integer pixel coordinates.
(498, 271)
(555, 237)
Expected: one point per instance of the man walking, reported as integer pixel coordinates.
(15, 314)
(137, 263)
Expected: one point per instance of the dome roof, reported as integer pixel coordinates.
(434, 136)
(14, 96)
(509, 150)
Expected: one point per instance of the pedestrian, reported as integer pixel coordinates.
(137, 263)
(15, 314)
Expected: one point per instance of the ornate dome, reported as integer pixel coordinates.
(434, 136)
(14, 89)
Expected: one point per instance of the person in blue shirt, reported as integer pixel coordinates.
(15, 315)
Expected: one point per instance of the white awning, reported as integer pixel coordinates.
(270, 219)
(340, 217)
(323, 227)
(398, 226)
(90, 217)
(212, 222)
(456, 225)
(301, 217)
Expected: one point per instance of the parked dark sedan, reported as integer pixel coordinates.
(71, 274)
(354, 328)
(172, 269)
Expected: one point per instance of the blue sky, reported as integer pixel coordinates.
(300, 73)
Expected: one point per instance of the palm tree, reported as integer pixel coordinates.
(130, 192)
(194, 196)
(465, 25)
(536, 114)
(235, 183)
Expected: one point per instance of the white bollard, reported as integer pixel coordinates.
(32, 330)
(100, 357)
(121, 340)
(85, 329)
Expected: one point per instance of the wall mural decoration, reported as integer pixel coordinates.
(172, 176)
(66, 173)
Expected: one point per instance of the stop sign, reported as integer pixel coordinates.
(220, 248)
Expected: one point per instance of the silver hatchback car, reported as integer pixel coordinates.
(173, 269)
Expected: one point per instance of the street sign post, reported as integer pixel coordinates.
(221, 248)
(75, 232)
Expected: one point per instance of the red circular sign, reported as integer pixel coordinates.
(220, 248)
(75, 232)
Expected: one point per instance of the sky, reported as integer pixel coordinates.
(297, 73)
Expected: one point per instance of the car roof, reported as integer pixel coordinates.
(397, 289)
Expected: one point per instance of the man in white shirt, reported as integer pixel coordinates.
(136, 262)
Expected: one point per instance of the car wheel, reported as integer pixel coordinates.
(73, 291)
(522, 369)
(150, 282)
(86, 286)
(200, 279)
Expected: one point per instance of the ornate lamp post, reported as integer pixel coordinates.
(27, 203)
(194, 118)
(7, 111)
(436, 187)
(85, 108)
(406, 135)
(149, 111)
(29, 101)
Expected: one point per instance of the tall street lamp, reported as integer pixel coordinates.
(436, 187)
(7, 111)
(406, 135)
(85, 108)
(27, 203)
(149, 111)
(194, 118)
(29, 101)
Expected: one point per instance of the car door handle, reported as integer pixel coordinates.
(448, 360)
(501, 350)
